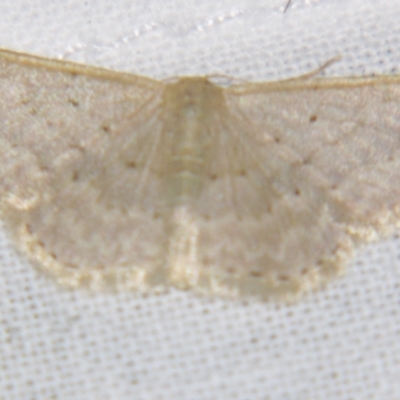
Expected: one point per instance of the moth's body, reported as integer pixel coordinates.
(114, 180)
(190, 104)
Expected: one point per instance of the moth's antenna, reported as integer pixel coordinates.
(287, 6)
(322, 67)
(317, 70)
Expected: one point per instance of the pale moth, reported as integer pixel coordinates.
(113, 180)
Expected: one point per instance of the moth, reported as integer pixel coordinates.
(113, 180)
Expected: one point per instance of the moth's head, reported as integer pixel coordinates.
(193, 92)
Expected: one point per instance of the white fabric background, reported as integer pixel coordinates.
(339, 343)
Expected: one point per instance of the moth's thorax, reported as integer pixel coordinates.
(190, 106)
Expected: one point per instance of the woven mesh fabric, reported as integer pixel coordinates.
(339, 343)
